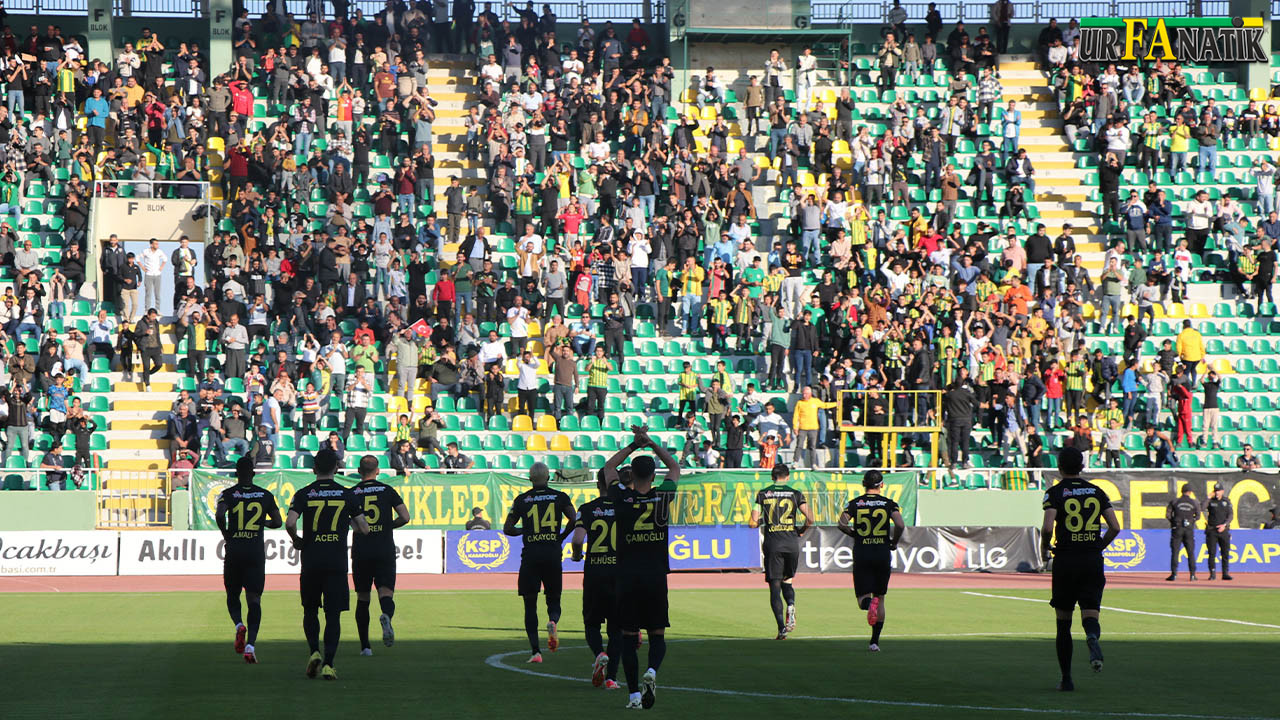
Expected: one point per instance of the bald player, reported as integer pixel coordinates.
(373, 556)
(543, 518)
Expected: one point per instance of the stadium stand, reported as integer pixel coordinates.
(1003, 257)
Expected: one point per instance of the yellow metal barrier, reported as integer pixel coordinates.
(133, 499)
(881, 415)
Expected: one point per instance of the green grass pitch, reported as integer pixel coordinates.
(946, 654)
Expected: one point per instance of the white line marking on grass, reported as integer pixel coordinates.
(496, 661)
(1135, 612)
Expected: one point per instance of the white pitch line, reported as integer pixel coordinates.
(496, 661)
(1135, 612)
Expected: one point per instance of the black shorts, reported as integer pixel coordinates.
(642, 602)
(376, 570)
(599, 599)
(244, 570)
(1078, 580)
(871, 575)
(325, 588)
(780, 563)
(546, 574)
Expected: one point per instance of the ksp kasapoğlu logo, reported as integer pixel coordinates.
(1183, 40)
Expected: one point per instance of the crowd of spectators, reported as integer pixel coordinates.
(627, 210)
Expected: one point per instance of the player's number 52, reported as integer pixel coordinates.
(871, 523)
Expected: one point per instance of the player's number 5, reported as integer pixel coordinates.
(371, 511)
(319, 506)
(871, 523)
(1076, 519)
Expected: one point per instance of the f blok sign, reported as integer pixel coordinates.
(1183, 40)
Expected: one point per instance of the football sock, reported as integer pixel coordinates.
(233, 606)
(332, 633)
(255, 619)
(611, 649)
(788, 593)
(531, 620)
(631, 663)
(553, 607)
(388, 606)
(875, 631)
(311, 628)
(775, 602)
(1064, 647)
(657, 650)
(1091, 627)
(362, 622)
(594, 640)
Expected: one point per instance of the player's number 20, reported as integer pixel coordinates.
(1082, 516)
(604, 531)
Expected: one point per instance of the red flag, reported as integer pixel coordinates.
(421, 329)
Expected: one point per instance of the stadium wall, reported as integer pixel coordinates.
(1004, 508)
(71, 510)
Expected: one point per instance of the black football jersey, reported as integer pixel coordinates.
(599, 519)
(1078, 524)
(871, 517)
(542, 513)
(642, 531)
(325, 509)
(378, 501)
(780, 514)
(247, 510)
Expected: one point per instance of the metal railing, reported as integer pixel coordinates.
(136, 499)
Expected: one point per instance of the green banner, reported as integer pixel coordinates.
(440, 500)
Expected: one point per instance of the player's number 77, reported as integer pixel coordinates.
(319, 506)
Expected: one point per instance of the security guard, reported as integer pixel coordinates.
(1182, 514)
(1217, 529)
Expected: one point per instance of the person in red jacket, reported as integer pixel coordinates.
(1053, 393)
(1182, 402)
(241, 98)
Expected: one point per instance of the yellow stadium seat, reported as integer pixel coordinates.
(762, 162)
(709, 113)
(535, 329)
(535, 443)
(688, 96)
(560, 443)
(547, 423)
(420, 404)
(840, 147)
(828, 96)
(215, 144)
(398, 405)
(1177, 310)
(521, 423)
(536, 347)
(807, 179)
(1223, 367)
(1158, 309)
(1258, 94)
(1088, 311)
(1199, 310)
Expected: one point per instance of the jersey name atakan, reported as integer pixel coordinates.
(326, 509)
(541, 512)
(780, 511)
(378, 501)
(247, 510)
(871, 517)
(599, 519)
(1079, 506)
(642, 532)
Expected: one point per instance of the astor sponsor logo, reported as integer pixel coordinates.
(483, 553)
(1127, 551)
(1184, 40)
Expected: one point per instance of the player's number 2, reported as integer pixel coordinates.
(1082, 516)
(319, 507)
(871, 523)
(253, 510)
(604, 531)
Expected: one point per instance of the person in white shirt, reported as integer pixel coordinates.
(572, 67)
(598, 151)
(335, 353)
(527, 384)
(806, 74)
(493, 351)
(128, 62)
(492, 71)
(1199, 214)
(153, 264)
(518, 320)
